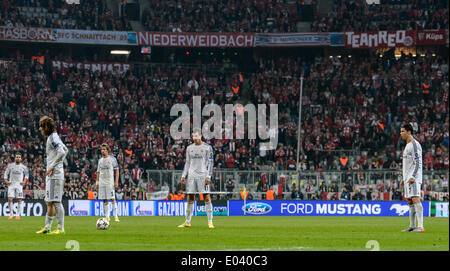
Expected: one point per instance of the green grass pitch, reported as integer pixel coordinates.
(268, 233)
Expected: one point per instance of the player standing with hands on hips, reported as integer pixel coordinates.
(16, 175)
(55, 151)
(199, 168)
(412, 178)
(107, 180)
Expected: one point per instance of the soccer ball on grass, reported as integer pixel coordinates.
(102, 224)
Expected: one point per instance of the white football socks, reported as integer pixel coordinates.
(209, 210)
(49, 222)
(419, 214)
(11, 213)
(412, 216)
(19, 209)
(189, 212)
(106, 209)
(59, 208)
(115, 209)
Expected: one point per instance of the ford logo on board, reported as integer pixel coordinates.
(257, 208)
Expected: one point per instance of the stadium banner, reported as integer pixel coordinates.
(94, 37)
(116, 68)
(431, 37)
(337, 39)
(171, 208)
(123, 208)
(322, 208)
(79, 208)
(29, 207)
(95, 208)
(294, 39)
(143, 208)
(231, 40)
(380, 39)
(220, 208)
(439, 209)
(26, 34)
(161, 195)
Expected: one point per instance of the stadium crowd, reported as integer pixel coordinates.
(231, 16)
(349, 15)
(88, 15)
(351, 118)
(221, 16)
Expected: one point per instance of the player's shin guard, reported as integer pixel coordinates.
(412, 216)
(419, 214)
(189, 212)
(60, 215)
(49, 222)
(10, 209)
(209, 210)
(115, 209)
(19, 208)
(106, 209)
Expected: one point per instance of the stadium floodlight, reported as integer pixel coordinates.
(120, 52)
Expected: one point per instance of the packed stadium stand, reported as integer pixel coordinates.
(90, 15)
(354, 102)
(348, 15)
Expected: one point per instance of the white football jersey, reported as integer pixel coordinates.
(15, 173)
(105, 169)
(199, 161)
(56, 151)
(412, 161)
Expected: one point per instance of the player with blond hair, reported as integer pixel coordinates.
(107, 180)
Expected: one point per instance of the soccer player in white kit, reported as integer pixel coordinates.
(199, 168)
(412, 178)
(107, 180)
(55, 151)
(16, 174)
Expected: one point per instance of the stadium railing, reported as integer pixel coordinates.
(364, 179)
(308, 181)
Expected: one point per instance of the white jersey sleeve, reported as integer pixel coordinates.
(114, 163)
(187, 164)
(210, 161)
(26, 173)
(7, 171)
(412, 162)
(56, 151)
